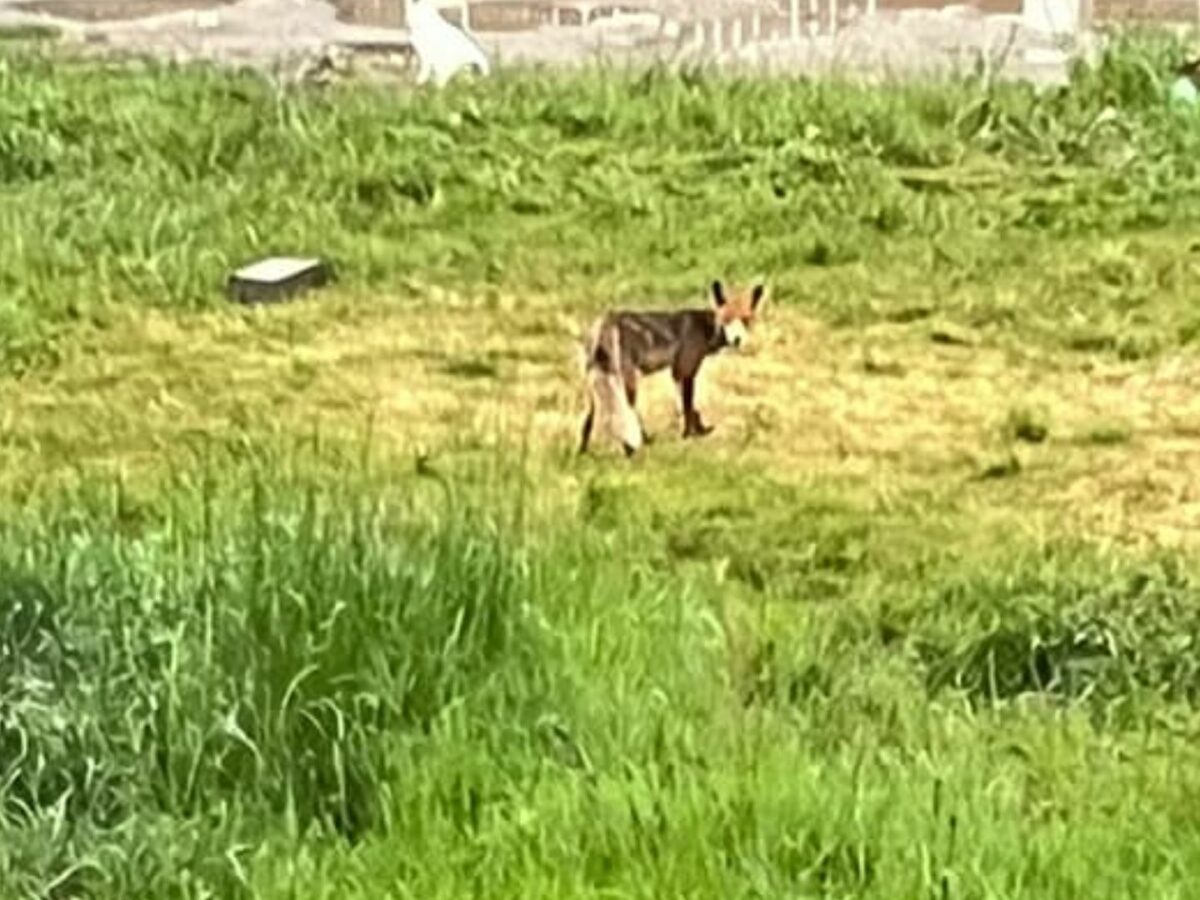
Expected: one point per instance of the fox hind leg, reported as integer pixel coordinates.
(628, 426)
(631, 391)
(606, 396)
(589, 422)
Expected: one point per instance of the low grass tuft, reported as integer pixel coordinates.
(1027, 425)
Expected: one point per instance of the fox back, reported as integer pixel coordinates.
(648, 341)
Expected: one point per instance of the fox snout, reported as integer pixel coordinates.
(736, 334)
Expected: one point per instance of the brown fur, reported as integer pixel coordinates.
(624, 345)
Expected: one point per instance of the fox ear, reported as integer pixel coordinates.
(718, 292)
(756, 295)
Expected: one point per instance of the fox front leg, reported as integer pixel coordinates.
(685, 369)
(693, 425)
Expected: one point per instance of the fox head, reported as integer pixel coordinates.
(735, 312)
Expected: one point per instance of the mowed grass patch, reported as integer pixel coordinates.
(884, 406)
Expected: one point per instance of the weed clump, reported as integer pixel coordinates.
(1103, 643)
(1026, 425)
(236, 655)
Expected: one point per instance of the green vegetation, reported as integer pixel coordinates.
(29, 33)
(316, 601)
(864, 205)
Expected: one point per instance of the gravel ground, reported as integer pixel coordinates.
(894, 45)
(889, 45)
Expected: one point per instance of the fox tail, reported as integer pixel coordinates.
(606, 389)
(608, 393)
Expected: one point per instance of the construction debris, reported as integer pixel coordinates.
(276, 279)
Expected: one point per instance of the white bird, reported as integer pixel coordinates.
(442, 48)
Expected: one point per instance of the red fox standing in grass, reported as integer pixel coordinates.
(623, 346)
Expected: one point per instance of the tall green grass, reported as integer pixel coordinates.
(268, 679)
(145, 183)
(234, 649)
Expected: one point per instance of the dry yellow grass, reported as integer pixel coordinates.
(886, 405)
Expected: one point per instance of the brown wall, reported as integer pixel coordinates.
(993, 7)
(379, 13)
(1103, 10)
(1133, 10)
(511, 15)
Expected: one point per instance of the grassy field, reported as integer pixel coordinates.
(317, 600)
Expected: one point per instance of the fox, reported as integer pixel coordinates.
(623, 346)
